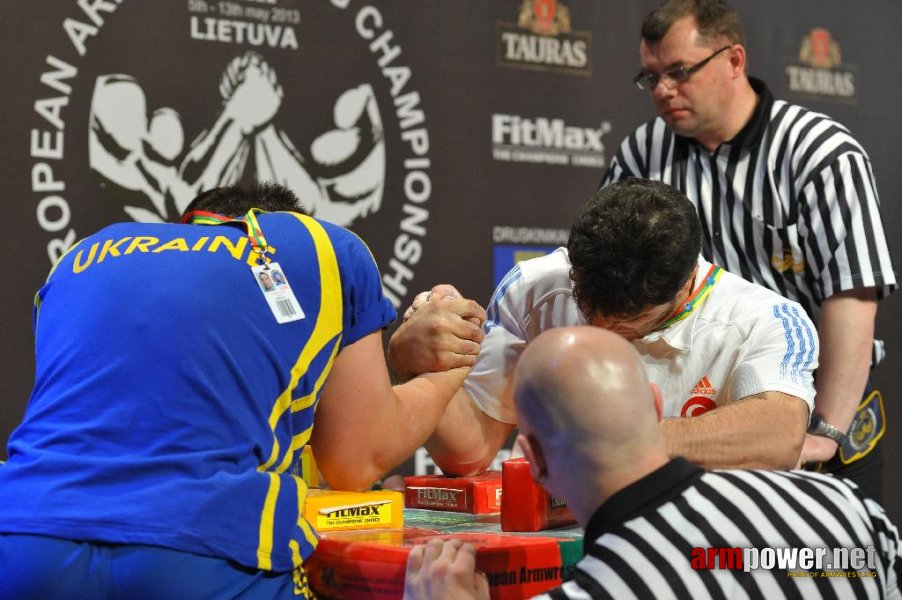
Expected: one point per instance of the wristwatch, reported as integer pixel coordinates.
(819, 426)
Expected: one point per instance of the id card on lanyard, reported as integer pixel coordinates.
(269, 276)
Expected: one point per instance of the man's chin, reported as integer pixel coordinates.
(679, 124)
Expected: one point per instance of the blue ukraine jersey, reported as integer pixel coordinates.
(169, 406)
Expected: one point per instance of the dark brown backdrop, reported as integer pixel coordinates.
(488, 151)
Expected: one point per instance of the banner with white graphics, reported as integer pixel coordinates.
(456, 138)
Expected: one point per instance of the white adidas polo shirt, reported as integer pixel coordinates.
(740, 341)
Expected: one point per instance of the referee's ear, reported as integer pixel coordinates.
(532, 452)
(659, 403)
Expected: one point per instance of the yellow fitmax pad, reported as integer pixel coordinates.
(329, 510)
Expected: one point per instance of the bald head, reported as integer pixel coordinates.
(583, 390)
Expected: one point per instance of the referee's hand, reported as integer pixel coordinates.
(444, 570)
(816, 449)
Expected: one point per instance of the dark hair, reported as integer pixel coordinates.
(713, 18)
(235, 200)
(634, 244)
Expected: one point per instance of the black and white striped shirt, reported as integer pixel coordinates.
(789, 203)
(643, 541)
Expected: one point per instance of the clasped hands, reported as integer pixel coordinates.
(440, 330)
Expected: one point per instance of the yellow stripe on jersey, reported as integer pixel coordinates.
(328, 328)
(306, 401)
(297, 443)
(267, 522)
(299, 440)
(296, 557)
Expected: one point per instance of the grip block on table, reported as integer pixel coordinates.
(480, 494)
(525, 505)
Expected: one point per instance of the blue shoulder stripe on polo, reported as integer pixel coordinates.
(790, 343)
(795, 323)
(492, 318)
(800, 342)
(806, 330)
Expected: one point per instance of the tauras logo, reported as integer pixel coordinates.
(540, 50)
(820, 70)
(543, 39)
(368, 509)
(818, 81)
(515, 130)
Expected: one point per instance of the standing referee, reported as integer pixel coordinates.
(787, 199)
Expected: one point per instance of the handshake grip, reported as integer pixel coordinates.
(340, 176)
(250, 92)
(441, 330)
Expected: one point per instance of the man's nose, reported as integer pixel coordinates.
(663, 89)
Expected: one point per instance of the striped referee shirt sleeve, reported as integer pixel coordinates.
(839, 208)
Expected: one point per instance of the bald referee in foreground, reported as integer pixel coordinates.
(657, 527)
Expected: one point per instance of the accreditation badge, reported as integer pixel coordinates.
(277, 292)
(867, 428)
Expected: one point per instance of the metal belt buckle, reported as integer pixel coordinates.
(867, 428)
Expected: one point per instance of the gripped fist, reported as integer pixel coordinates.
(443, 332)
(442, 290)
(250, 91)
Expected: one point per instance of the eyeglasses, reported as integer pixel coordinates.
(646, 80)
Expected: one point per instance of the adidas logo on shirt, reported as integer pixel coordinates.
(703, 387)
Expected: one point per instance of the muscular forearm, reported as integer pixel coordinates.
(206, 161)
(466, 439)
(403, 423)
(422, 402)
(364, 427)
(846, 332)
(753, 433)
